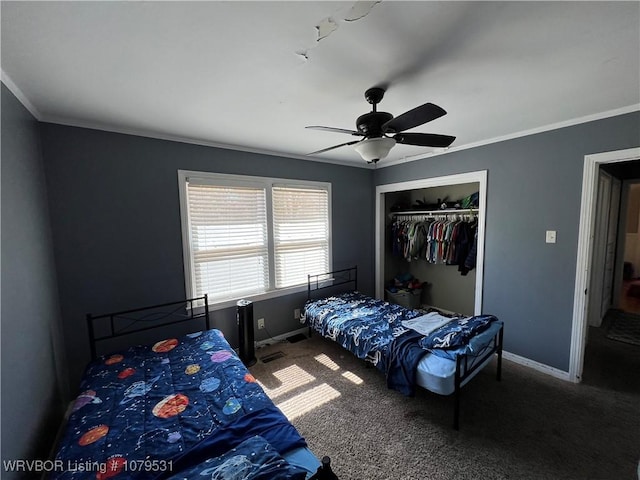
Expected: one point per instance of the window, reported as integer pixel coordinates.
(247, 236)
(300, 233)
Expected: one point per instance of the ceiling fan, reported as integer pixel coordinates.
(381, 130)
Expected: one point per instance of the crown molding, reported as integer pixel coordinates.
(10, 84)
(522, 133)
(192, 141)
(22, 98)
(346, 163)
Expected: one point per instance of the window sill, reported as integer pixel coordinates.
(256, 298)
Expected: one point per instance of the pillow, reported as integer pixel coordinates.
(457, 333)
(253, 459)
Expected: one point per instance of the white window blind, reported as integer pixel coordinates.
(301, 233)
(228, 239)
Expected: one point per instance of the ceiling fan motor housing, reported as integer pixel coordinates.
(371, 123)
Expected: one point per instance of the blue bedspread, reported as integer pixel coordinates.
(361, 324)
(372, 330)
(171, 405)
(405, 353)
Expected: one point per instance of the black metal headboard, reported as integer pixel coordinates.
(126, 322)
(327, 280)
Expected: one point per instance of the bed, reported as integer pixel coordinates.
(413, 348)
(183, 407)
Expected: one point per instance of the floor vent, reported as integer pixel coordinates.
(271, 357)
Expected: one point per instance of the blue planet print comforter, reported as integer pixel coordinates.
(253, 459)
(152, 411)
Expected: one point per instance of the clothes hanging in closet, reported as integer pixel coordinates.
(469, 262)
(445, 240)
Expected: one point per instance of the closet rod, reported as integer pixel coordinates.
(450, 211)
(444, 210)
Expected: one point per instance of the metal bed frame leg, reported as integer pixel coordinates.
(499, 372)
(456, 400)
(459, 376)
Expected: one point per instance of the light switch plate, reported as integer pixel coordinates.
(551, 236)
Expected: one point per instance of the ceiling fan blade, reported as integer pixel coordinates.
(424, 139)
(335, 146)
(333, 129)
(414, 117)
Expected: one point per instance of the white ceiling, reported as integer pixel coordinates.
(252, 75)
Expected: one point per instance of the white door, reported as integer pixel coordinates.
(610, 247)
(596, 285)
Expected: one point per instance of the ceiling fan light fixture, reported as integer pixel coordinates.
(381, 130)
(374, 149)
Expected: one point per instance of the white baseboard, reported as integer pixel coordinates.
(282, 337)
(541, 367)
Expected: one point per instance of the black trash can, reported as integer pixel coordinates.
(245, 332)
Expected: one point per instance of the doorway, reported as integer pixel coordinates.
(628, 293)
(584, 291)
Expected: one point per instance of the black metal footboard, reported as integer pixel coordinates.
(466, 365)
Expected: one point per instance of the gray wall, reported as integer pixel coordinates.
(534, 184)
(116, 224)
(31, 396)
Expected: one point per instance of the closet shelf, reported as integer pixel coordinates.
(447, 211)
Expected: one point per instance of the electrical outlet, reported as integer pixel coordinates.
(296, 314)
(260, 323)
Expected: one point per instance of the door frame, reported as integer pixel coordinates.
(585, 251)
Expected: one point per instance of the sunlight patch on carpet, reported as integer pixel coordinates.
(290, 378)
(352, 377)
(327, 362)
(308, 400)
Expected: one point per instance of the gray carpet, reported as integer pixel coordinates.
(624, 327)
(528, 426)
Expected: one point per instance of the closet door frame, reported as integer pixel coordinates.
(479, 177)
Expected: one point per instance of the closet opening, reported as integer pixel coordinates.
(445, 217)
